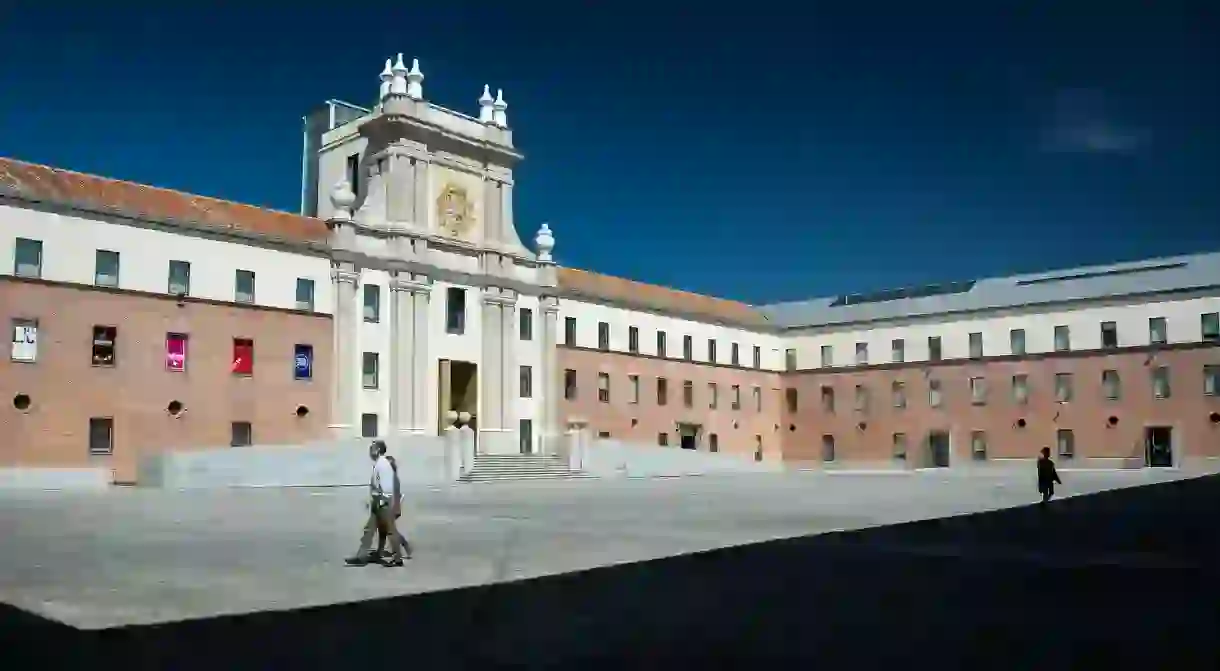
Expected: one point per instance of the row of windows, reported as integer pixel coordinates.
(104, 349)
(101, 435)
(27, 262)
(633, 344)
(1158, 334)
(570, 391)
(1111, 384)
(1065, 441)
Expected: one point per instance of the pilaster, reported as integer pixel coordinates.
(408, 385)
(345, 362)
(400, 192)
(420, 173)
(551, 430)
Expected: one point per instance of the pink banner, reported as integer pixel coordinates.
(175, 352)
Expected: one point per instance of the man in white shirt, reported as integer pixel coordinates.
(381, 511)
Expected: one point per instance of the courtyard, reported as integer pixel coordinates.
(140, 556)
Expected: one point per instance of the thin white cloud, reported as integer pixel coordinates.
(1081, 123)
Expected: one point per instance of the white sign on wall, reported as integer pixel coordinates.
(25, 341)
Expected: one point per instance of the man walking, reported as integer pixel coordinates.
(381, 511)
(1048, 475)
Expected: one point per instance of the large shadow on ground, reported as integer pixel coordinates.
(1126, 579)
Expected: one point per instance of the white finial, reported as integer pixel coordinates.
(545, 242)
(415, 81)
(398, 86)
(386, 75)
(342, 198)
(485, 102)
(499, 115)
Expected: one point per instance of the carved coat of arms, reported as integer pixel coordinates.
(454, 211)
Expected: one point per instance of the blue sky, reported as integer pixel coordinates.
(796, 150)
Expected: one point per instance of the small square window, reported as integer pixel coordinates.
(371, 370)
(105, 345)
(179, 283)
(106, 270)
(305, 294)
(1210, 325)
(369, 425)
(242, 434)
(27, 258)
(662, 439)
(244, 286)
(101, 436)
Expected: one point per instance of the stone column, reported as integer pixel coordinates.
(491, 210)
(421, 201)
(420, 422)
(551, 429)
(508, 229)
(510, 375)
(400, 189)
(403, 379)
(491, 370)
(345, 282)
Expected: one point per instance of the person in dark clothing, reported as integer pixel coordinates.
(396, 509)
(1048, 476)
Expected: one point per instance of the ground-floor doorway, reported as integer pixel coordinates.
(688, 436)
(1158, 446)
(458, 391)
(938, 449)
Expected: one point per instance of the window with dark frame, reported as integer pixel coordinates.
(27, 258)
(1016, 342)
(243, 286)
(934, 351)
(603, 336)
(1111, 385)
(525, 324)
(1209, 324)
(1063, 339)
(736, 398)
(372, 303)
(179, 281)
(711, 350)
(663, 439)
(757, 357)
(790, 359)
(603, 387)
(633, 339)
(735, 354)
(688, 348)
(976, 345)
(828, 399)
(1160, 383)
(105, 345)
(661, 344)
(101, 436)
(569, 384)
(370, 370)
(633, 389)
(978, 445)
(828, 356)
(828, 448)
(241, 434)
(898, 394)
(455, 311)
(899, 443)
(353, 173)
(526, 382)
(713, 393)
(106, 268)
(1158, 331)
(569, 331)
(1109, 335)
(898, 351)
(662, 391)
(369, 425)
(1065, 441)
(688, 394)
(305, 294)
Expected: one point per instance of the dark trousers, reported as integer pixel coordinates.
(1048, 491)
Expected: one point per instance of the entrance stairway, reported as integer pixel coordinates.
(500, 467)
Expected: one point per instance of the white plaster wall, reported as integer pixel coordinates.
(69, 254)
(528, 353)
(375, 337)
(1182, 321)
(337, 145)
(588, 315)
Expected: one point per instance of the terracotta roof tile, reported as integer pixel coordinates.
(40, 182)
(43, 183)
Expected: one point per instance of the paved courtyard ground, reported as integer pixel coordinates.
(138, 556)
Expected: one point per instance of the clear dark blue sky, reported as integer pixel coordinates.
(742, 150)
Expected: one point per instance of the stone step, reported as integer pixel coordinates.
(487, 477)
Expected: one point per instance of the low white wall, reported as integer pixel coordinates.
(54, 478)
(421, 460)
(610, 458)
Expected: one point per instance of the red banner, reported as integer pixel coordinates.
(175, 352)
(243, 357)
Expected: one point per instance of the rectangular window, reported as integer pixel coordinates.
(1063, 387)
(791, 400)
(898, 394)
(106, 268)
(175, 352)
(353, 173)
(633, 339)
(934, 395)
(633, 389)
(243, 286)
(370, 370)
(243, 356)
(862, 398)
(713, 392)
(1016, 342)
(663, 439)
(828, 448)
(1211, 380)
(976, 345)
(736, 397)
(603, 387)
(688, 348)
(1111, 385)
(900, 446)
(1160, 382)
(525, 433)
(1158, 331)
(1109, 335)
(569, 384)
(603, 435)
(828, 356)
(302, 357)
(241, 434)
(828, 399)
(789, 359)
(1210, 325)
(603, 336)
(1066, 442)
(372, 303)
(978, 445)
(1020, 389)
(455, 311)
(27, 258)
(661, 344)
(758, 448)
(757, 392)
(861, 354)
(934, 353)
(713, 443)
(1063, 339)
(711, 350)
(662, 391)
(25, 340)
(525, 324)
(757, 357)
(688, 394)
(735, 354)
(525, 382)
(368, 425)
(305, 293)
(101, 436)
(898, 351)
(105, 345)
(978, 391)
(179, 278)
